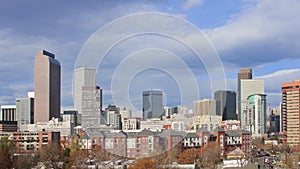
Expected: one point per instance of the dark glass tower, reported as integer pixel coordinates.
(226, 104)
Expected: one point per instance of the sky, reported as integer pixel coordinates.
(260, 34)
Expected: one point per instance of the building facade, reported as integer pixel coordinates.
(290, 112)
(247, 88)
(131, 124)
(226, 104)
(256, 119)
(205, 107)
(83, 76)
(244, 73)
(47, 85)
(152, 104)
(8, 113)
(25, 111)
(91, 106)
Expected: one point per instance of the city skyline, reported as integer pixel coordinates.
(239, 22)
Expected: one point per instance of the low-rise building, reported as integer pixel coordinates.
(131, 124)
(32, 141)
(64, 127)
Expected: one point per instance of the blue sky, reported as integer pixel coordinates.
(261, 34)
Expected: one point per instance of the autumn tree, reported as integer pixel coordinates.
(52, 155)
(188, 156)
(144, 163)
(169, 156)
(7, 149)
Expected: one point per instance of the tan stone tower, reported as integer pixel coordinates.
(47, 85)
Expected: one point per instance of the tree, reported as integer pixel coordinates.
(52, 155)
(77, 158)
(25, 161)
(188, 156)
(7, 149)
(210, 155)
(144, 163)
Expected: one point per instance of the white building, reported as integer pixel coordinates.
(180, 110)
(178, 126)
(207, 121)
(256, 117)
(249, 87)
(126, 113)
(83, 76)
(131, 124)
(153, 124)
(8, 113)
(25, 110)
(64, 127)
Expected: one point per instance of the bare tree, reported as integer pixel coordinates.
(210, 155)
(7, 149)
(52, 155)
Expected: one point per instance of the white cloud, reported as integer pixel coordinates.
(273, 83)
(287, 74)
(191, 3)
(265, 32)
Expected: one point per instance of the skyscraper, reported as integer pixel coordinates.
(244, 73)
(249, 87)
(25, 111)
(226, 104)
(290, 112)
(83, 76)
(47, 85)
(91, 107)
(256, 119)
(152, 104)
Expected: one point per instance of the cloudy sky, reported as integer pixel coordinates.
(261, 34)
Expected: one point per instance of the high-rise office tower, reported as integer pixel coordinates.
(249, 87)
(152, 104)
(205, 107)
(25, 111)
(226, 104)
(83, 76)
(256, 119)
(91, 107)
(290, 112)
(47, 85)
(244, 73)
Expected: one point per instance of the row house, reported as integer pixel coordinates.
(220, 135)
(204, 135)
(239, 138)
(191, 140)
(170, 138)
(142, 144)
(113, 142)
(147, 143)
